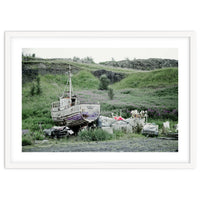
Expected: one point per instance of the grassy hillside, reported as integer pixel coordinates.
(155, 91)
(36, 108)
(85, 80)
(153, 79)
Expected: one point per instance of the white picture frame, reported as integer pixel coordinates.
(15, 40)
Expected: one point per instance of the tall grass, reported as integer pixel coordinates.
(94, 135)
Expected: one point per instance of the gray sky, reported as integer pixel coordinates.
(104, 54)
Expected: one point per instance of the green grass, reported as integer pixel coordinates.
(126, 100)
(153, 79)
(27, 140)
(36, 109)
(157, 90)
(94, 135)
(85, 80)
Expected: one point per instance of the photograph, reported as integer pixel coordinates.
(100, 99)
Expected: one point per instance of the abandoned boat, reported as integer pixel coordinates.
(68, 111)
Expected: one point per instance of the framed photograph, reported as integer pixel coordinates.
(100, 99)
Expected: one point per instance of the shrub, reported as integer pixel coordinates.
(104, 81)
(110, 93)
(138, 128)
(94, 135)
(118, 134)
(27, 140)
(169, 113)
(38, 87)
(32, 91)
(39, 136)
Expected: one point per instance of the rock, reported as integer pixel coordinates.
(108, 129)
(150, 130)
(112, 76)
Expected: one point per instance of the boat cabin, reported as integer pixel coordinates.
(65, 103)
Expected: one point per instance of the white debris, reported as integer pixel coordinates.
(150, 129)
(129, 129)
(41, 141)
(105, 121)
(126, 125)
(122, 125)
(136, 121)
(141, 114)
(176, 128)
(166, 125)
(108, 129)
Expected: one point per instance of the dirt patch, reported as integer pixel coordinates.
(129, 145)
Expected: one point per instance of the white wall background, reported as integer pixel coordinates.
(97, 15)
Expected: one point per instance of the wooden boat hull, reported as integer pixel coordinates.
(78, 115)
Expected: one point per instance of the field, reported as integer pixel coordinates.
(155, 91)
(131, 144)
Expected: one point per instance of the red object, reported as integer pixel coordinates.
(118, 118)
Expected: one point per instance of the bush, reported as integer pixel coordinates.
(138, 128)
(104, 81)
(169, 113)
(110, 93)
(38, 87)
(32, 91)
(94, 135)
(39, 136)
(118, 134)
(27, 140)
